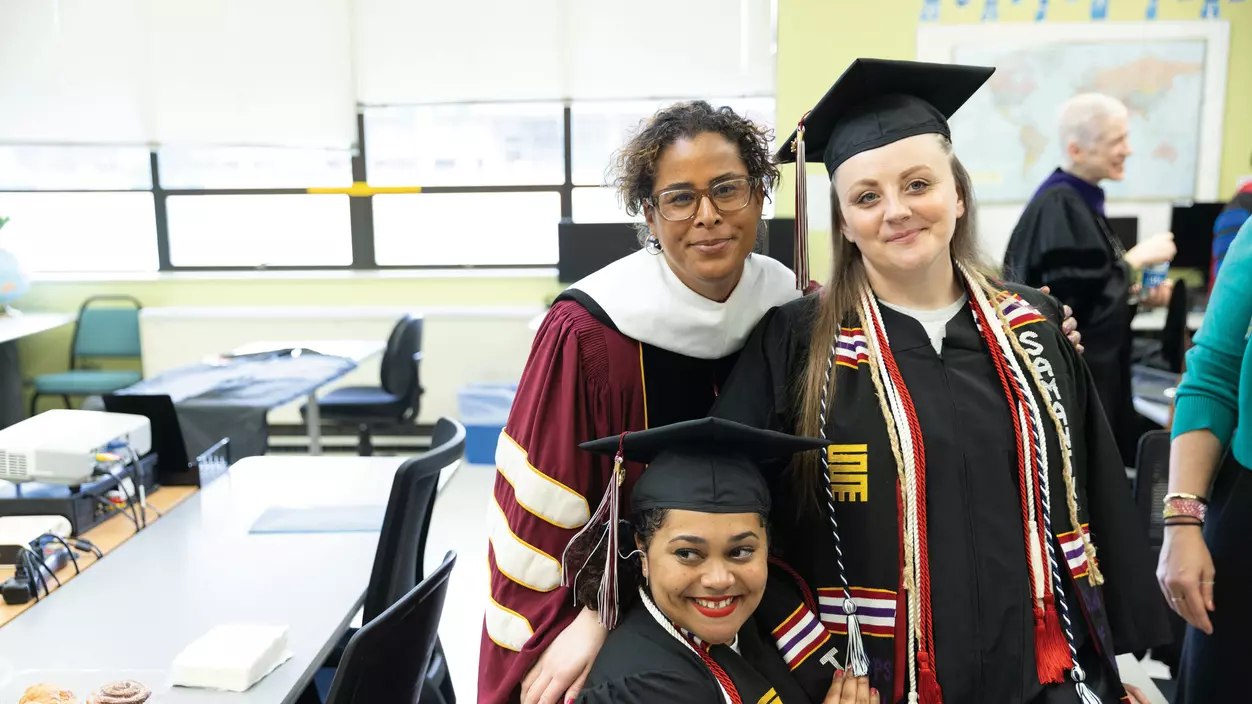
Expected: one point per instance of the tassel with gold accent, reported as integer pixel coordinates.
(605, 519)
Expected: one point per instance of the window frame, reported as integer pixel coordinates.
(361, 211)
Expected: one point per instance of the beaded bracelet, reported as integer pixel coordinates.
(1176, 506)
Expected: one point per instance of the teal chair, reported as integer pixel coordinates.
(102, 331)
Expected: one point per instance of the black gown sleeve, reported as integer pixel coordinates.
(1137, 612)
(1059, 243)
(759, 390)
(650, 688)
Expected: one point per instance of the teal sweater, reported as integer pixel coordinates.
(1216, 392)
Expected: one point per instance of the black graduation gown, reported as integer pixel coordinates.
(1062, 243)
(641, 663)
(980, 596)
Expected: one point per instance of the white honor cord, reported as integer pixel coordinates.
(869, 310)
(669, 628)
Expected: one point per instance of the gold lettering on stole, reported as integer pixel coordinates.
(849, 472)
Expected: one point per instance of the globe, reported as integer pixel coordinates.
(13, 281)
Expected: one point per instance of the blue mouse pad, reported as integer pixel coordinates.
(320, 519)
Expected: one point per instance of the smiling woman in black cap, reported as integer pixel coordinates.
(972, 471)
(704, 627)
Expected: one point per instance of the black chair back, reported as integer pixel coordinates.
(399, 369)
(402, 540)
(1152, 483)
(386, 659)
(1175, 333)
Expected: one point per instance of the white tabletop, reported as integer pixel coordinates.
(13, 327)
(131, 613)
(356, 350)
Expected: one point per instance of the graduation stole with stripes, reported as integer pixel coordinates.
(1055, 653)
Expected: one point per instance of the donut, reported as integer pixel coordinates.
(122, 692)
(47, 694)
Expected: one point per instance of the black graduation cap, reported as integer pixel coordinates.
(878, 101)
(874, 103)
(709, 465)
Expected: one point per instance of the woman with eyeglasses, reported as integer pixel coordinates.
(646, 341)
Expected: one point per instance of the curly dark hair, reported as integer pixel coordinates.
(634, 164)
(589, 552)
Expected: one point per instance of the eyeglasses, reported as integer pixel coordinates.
(679, 204)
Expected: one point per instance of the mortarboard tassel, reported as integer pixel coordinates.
(857, 662)
(605, 518)
(801, 255)
(607, 604)
(1085, 695)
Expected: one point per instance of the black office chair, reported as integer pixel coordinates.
(396, 401)
(387, 659)
(402, 544)
(1174, 335)
(1151, 485)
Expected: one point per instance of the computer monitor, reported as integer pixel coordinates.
(1126, 230)
(585, 248)
(1192, 225)
(173, 461)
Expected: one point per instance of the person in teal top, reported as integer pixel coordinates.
(1207, 555)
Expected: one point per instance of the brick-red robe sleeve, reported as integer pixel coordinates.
(577, 386)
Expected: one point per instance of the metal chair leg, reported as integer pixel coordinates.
(66, 399)
(34, 401)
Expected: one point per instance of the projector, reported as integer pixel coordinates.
(60, 446)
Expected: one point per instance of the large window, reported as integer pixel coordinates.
(259, 230)
(478, 184)
(454, 229)
(354, 134)
(500, 144)
(78, 209)
(109, 231)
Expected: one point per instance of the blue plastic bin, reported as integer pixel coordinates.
(484, 411)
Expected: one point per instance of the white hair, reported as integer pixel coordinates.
(1084, 116)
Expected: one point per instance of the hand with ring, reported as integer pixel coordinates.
(1186, 574)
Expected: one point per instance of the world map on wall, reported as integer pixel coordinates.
(1006, 135)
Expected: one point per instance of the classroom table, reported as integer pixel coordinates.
(356, 350)
(198, 567)
(1154, 391)
(12, 329)
(230, 396)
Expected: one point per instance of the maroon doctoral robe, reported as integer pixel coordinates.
(627, 348)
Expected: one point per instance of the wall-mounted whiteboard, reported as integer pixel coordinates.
(1171, 76)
